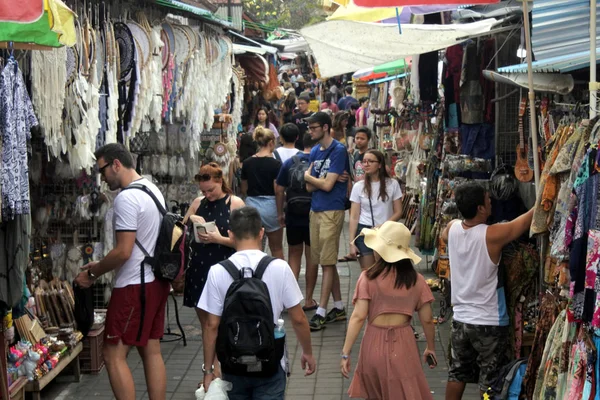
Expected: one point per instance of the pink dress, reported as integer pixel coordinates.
(389, 364)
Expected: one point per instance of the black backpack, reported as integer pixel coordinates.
(246, 344)
(298, 198)
(169, 256)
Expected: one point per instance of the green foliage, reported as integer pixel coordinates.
(291, 14)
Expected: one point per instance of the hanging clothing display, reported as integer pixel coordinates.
(16, 120)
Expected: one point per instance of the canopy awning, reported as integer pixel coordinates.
(402, 3)
(570, 62)
(54, 27)
(242, 49)
(366, 44)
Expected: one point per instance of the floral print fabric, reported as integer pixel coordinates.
(16, 120)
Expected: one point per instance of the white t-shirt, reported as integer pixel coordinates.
(279, 278)
(286, 154)
(135, 211)
(382, 211)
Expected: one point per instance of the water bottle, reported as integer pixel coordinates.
(279, 330)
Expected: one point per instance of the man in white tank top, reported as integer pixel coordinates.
(480, 328)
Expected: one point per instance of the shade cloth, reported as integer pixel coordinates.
(364, 45)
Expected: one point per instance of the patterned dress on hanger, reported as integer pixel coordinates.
(206, 255)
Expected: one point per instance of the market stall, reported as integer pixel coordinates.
(165, 86)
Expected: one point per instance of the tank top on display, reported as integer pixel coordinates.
(477, 284)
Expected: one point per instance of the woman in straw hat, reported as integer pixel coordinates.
(389, 364)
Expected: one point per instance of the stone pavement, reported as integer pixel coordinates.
(184, 363)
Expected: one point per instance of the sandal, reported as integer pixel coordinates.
(347, 258)
(310, 308)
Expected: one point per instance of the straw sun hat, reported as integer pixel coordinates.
(391, 241)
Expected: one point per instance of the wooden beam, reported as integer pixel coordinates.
(25, 46)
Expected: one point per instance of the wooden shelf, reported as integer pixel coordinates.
(38, 385)
(15, 391)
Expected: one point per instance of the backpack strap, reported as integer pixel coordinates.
(231, 268)
(147, 257)
(277, 155)
(262, 266)
(147, 190)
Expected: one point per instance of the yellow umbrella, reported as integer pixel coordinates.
(352, 12)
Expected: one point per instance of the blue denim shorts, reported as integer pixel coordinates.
(267, 207)
(363, 250)
(245, 388)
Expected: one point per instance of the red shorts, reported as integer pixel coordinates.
(123, 317)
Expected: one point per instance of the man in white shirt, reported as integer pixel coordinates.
(247, 232)
(480, 325)
(136, 217)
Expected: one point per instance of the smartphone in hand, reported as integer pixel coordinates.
(431, 361)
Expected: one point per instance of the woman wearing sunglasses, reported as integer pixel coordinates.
(375, 200)
(215, 205)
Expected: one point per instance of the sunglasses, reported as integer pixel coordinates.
(101, 169)
(206, 177)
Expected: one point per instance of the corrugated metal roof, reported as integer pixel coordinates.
(560, 28)
(566, 63)
(236, 15)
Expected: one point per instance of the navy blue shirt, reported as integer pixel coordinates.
(283, 179)
(334, 160)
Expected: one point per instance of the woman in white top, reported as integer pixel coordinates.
(375, 200)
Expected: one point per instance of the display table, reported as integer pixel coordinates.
(35, 387)
(16, 391)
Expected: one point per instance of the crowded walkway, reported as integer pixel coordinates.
(183, 363)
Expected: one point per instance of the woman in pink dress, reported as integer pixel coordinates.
(389, 364)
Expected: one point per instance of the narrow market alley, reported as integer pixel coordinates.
(183, 363)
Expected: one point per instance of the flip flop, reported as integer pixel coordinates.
(310, 308)
(347, 258)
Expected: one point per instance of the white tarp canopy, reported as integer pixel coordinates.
(242, 49)
(293, 45)
(346, 46)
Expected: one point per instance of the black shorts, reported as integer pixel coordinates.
(298, 235)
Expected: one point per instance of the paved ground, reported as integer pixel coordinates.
(184, 363)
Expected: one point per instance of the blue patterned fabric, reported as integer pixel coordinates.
(16, 120)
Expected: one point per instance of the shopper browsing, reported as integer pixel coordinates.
(480, 326)
(375, 200)
(215, 205)
(137, 218)
(389, 366)
(362, 138)
(344, 103)
(262, 119)
(362, 114)
(300, 119)
(258, 183)
(293, 197)
(246, 232)
(327, 180)
(288, 137)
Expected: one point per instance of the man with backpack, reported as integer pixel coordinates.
(136, 311)
(244, 298)
(291, 190)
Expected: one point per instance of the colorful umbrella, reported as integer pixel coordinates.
(352, 12)
(53, 27)
(402, 3)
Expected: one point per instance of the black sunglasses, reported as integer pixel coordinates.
(101, 169)
(205, 177)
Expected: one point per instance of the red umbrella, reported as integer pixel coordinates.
(402, 3)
